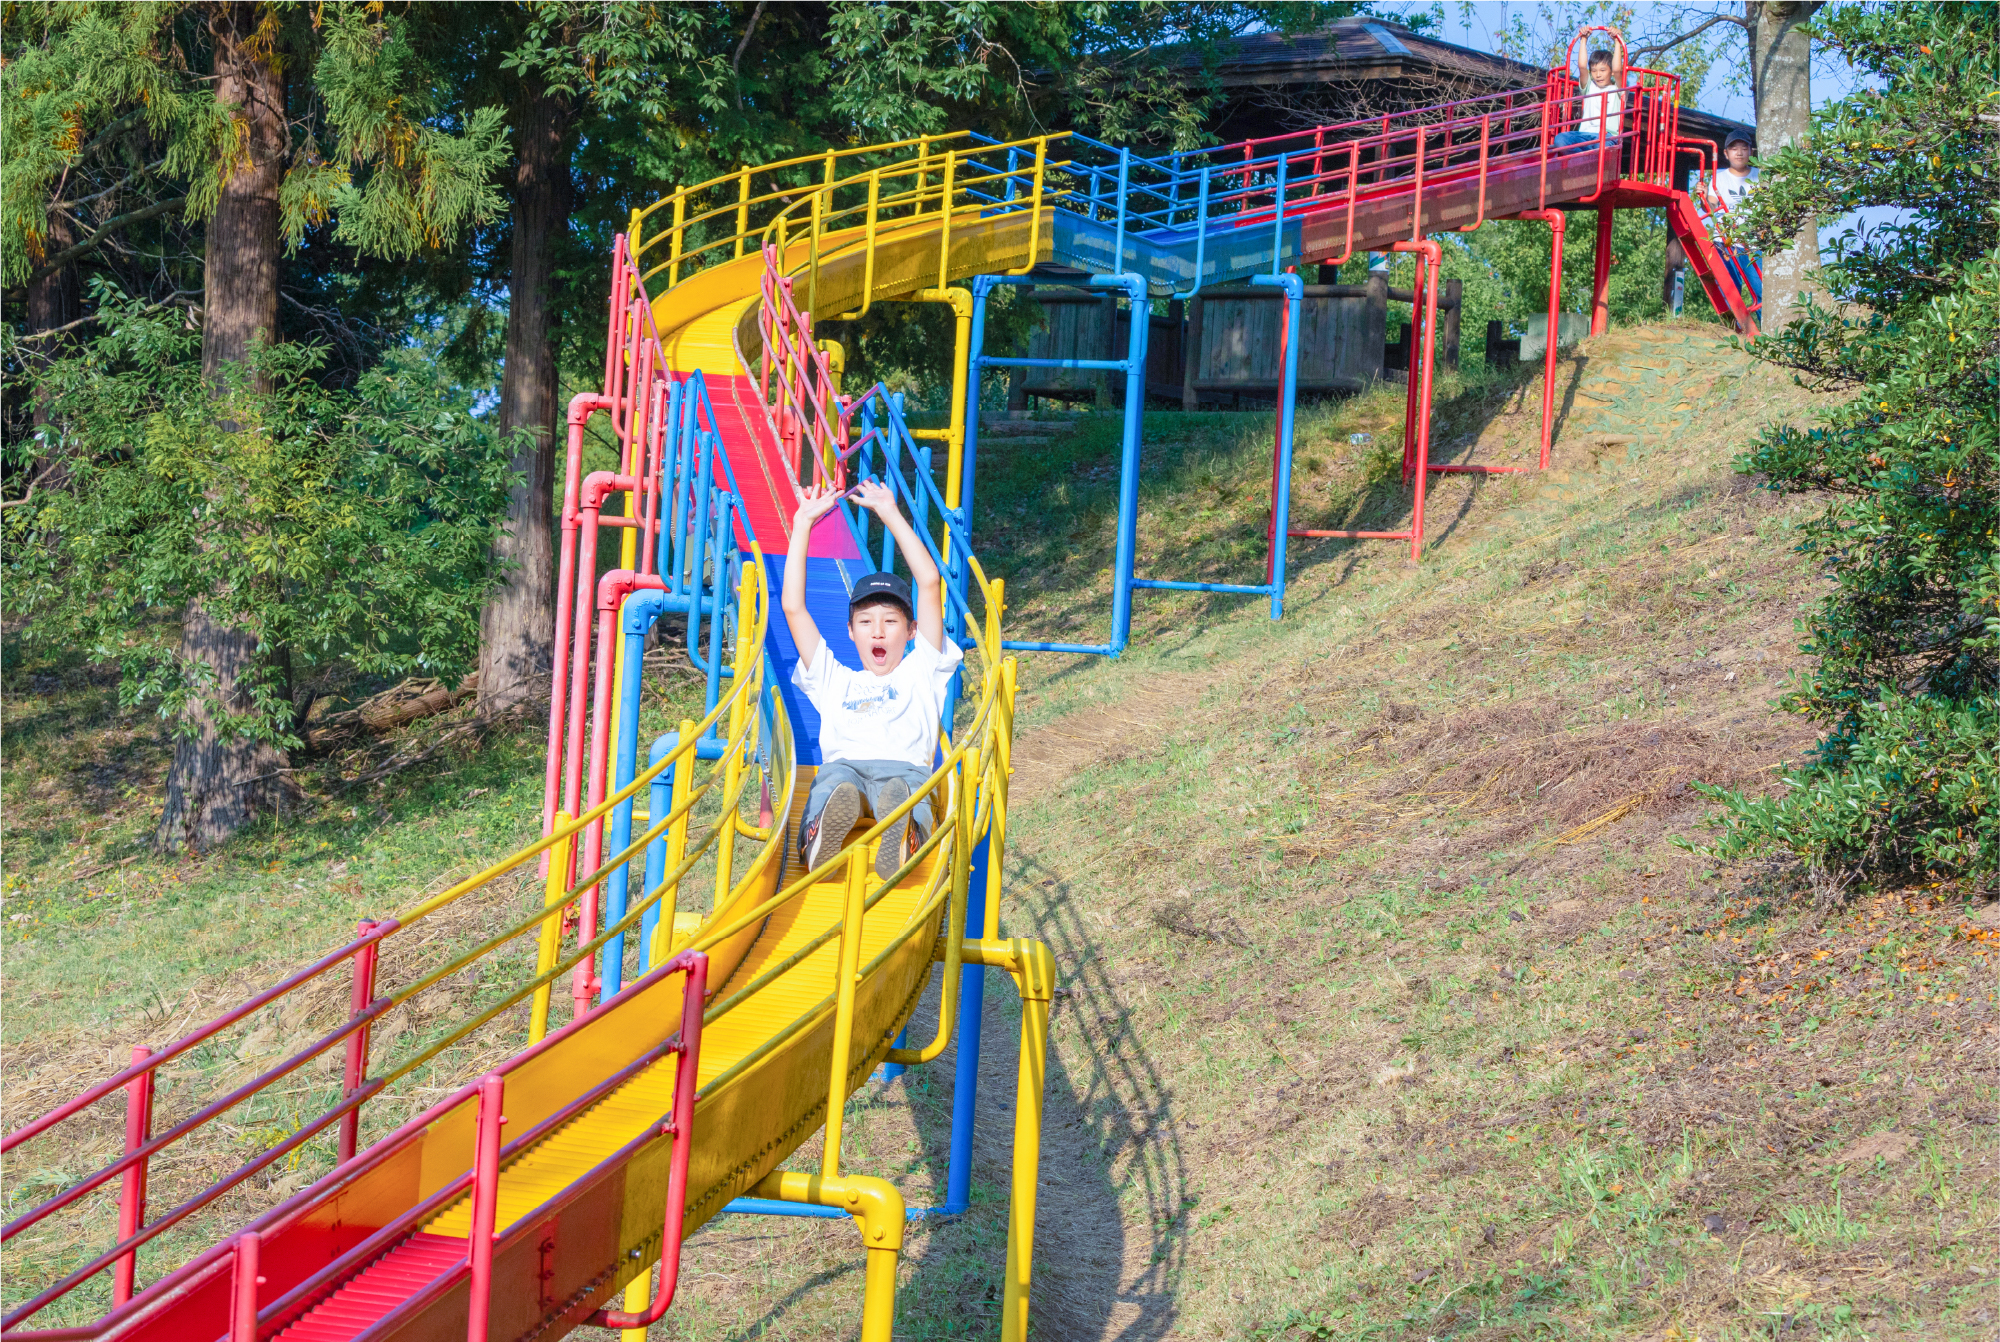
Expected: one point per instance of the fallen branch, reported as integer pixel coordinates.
(383, 713)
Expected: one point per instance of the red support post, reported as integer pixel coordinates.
(132, 1190)
(1417, 413)
(357, 1043)
(485, 1203)
(681, 1126)
(243, 1284)
(1555, 219)
(1600, 314)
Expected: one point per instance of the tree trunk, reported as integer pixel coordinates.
(1781, 84)
(53, 301)
(219, 778)
(517, 627)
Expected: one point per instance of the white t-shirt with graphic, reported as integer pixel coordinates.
(863, 716)
(1732, 190)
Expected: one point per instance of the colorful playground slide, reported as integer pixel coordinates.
(722, 1002)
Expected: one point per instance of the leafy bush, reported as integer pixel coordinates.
(348, 529)
(1907, 642)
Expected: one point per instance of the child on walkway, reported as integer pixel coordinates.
(878, 727)
(1729, 192)
(1602, 82)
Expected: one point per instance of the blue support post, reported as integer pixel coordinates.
(1133, 366)
(1128, 467)
(1288, 399)
(640, 610)
(964, 1086)
(659, 800)
(965, 1076)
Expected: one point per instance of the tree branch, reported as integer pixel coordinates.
(736, 61)
(110, 226)
(1673, 42)
(126, 180)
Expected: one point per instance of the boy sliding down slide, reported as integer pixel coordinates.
(878, 727)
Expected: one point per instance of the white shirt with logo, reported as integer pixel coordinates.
(863, 716)
(1732, 190)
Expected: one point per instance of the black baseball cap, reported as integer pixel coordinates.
(1738, 137)
(875, 586)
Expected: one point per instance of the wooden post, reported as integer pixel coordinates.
(1177, 348)
(1191, 356)
(1376, 330)
(1448, 312)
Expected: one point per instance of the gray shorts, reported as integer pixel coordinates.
(871, 776)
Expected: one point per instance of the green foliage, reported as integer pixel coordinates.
(402, 175)
(349, 530)
(1907, 642)
(383, 101)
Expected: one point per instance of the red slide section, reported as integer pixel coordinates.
(758, 461)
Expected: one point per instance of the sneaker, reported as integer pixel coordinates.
(826, 831)
(894, 850)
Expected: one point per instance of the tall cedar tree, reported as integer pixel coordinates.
(1906, 644)
(242, 99)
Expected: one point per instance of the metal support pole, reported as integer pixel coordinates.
(132, 1190)
(485, 1203)
(243, 1283)
(1600, 313)
(1556, 220)
(1128, 466)
(1278, 529)
(357, 1043)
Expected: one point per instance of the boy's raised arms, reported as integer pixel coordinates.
(816, 503)
(924, 578)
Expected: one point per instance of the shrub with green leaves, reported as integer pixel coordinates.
(348, 529)
(1907, 641)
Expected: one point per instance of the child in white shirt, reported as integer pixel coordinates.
(1737, 179)
(1728, 192)
(878, 726)
(1602, 81)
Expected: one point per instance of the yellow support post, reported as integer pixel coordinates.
(549, 943)
(868, 254)
(1035, 208)
(847, 971)
(742, 208)
(1034, 973)
(961, 359)
(679, 236)
(954, 929)
(877, 1209)
(944, 221)
(677, 840)
(638, 1294)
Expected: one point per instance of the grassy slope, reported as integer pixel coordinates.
(1388, 1008)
